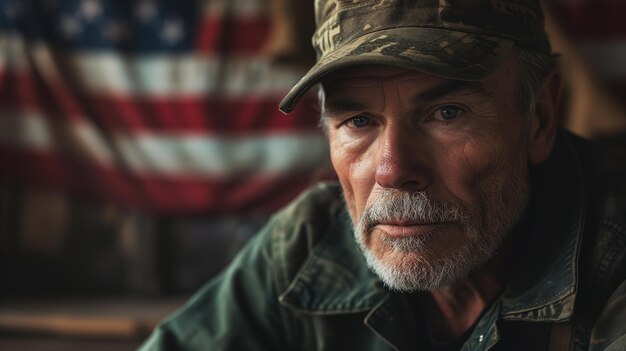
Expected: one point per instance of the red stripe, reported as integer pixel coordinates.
(196, 115)
(252, 193)
(232, 35)
(23, 90)
(592, 19)
(192, 114)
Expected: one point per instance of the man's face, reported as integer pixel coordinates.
(434, 171)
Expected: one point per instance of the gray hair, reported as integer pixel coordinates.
(533, 68)
(320, 99)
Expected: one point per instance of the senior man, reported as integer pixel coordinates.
(478, 223)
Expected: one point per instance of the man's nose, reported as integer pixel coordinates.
(402, 160)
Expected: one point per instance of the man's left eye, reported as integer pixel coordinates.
(448, 112)
(359, 121)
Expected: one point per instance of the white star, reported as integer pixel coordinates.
(172, 31)
(145, 11)
(90, 9)
(70, 26)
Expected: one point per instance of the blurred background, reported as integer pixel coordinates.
(141, 147)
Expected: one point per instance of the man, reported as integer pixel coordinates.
(478, 224)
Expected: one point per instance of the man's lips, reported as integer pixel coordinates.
(401, 230)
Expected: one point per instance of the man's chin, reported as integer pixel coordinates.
(410, 271)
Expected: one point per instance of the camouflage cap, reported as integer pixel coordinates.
(456, 39)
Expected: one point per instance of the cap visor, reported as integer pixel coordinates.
(441, 52)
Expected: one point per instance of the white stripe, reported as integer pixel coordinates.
(605, 58)
(219, 156)
(168, 154)
(183, 75)
(153, 75)
(31, 130)
(13, 52)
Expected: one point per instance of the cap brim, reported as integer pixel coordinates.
(441, 52)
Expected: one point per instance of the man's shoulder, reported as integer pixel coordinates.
(300, 228)
(603, 256)
(604, 167)
(317, 265)
(604, 164)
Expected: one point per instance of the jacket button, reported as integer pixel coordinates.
(481, 337)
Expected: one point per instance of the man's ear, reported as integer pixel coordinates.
(543, 123)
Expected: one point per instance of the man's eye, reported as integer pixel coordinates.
(447, 113)
(359, 122)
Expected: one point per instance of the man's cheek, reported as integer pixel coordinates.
(361, 180)
(460, 161)
(340, 163)
(481, 155)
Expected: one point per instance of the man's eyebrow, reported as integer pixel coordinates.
(341, 105)
(451, 87)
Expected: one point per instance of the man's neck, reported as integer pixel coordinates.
(451, 311)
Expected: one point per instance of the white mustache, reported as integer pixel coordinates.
(415, 208)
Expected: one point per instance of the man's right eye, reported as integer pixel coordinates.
(359, 122)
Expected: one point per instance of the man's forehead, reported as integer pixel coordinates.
(357, 87)
(367, 73)
(363, 76)
(418, 86)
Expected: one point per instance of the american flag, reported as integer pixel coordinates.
(163, 105)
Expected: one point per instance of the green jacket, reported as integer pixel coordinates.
(302, 283)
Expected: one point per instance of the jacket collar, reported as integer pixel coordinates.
(335, 278)
(544, 290)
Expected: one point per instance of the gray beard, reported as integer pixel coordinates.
(413, 270)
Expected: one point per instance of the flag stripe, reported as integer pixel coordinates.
(187, 114)
(108, 72)
(168, 154)
(180, 195)
(247, 35)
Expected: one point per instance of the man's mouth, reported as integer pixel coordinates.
(407, 229)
